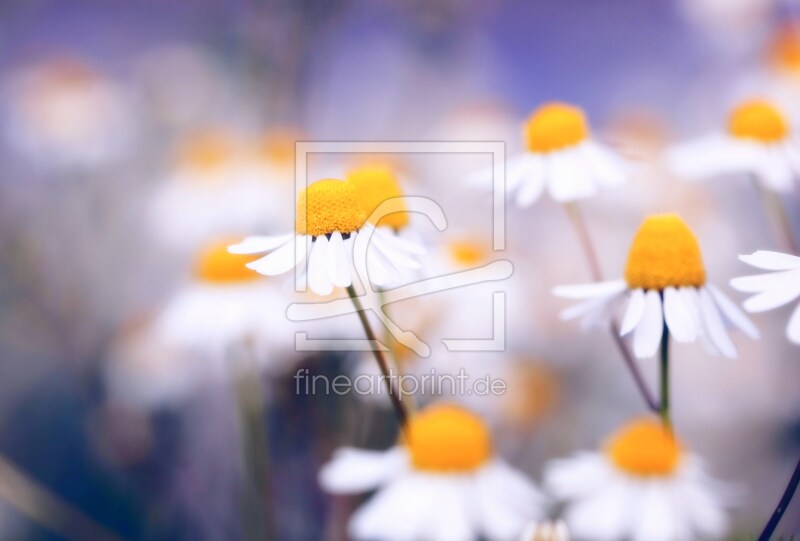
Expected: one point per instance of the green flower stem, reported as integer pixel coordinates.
(664, 407)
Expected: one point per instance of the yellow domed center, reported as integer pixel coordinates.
(467, 253)
(448, 439)
(555, 126)
(374, 185)
(758, 120)
(216, 265)
(785, 50)
(644, 448)
(664, 253)
(326, 206)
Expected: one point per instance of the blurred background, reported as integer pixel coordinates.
(135, 135)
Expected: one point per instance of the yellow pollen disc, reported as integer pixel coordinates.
(326, 206)
(277, 146)
(785, 50)
(216, 265)
(375, 184)
(758, 120)
(448, 439)
(206, 151)
(645, 448)
(664, 253)
(467, 254)
(555, 126)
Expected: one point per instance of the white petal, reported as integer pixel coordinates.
(568, 176)
(633, 313)
(773, 261)
(256, 245)
(338, 265)
(712, 322)
(709, 156)
(756, 283)
(774, 170)
(777, 296)
(318, 279)
(647, 336)
(577, 476)
(530, 191)
(793, 328)
(452, 519)
(352, 471)
(679, 320)
(732, 313)
(525, 170)
(606, 166)
(586, 291)
(383, 243)
(702, 507)
(604, 515)
(281, 260)
(657, 519)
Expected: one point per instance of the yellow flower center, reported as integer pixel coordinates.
(375, 184)
(555, 126)
(206, 152)
(758, 120)
(467, 254)
(664, 253)
(216, 265)
(448, 439)
(326, 206)
(644, 448)
(785, 50)
(277, 146)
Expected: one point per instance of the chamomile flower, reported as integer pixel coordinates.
(758, 141)
(546, 531)
(778, 287)
(664, 288)
(227, 305)
(643, 486)
(561, 157)
(444, 482)
(329, 218)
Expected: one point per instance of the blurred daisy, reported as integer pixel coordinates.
(220, 183)
(562, 157)
(373, 185)
(546, 531)
(330, 216)
(758, 141)
(664, 289)
(642, 486)
(227, 305)
(776, 288)
(64, 111)
(443, 483)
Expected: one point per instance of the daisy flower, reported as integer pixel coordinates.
(330, 216)
(561, 157)
(643, 486)
(664, 287)
(546, 531)
(443, 482)
(224, 305)
(778, 287)
(758, 141)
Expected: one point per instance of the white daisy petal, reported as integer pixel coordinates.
(692, 304)
(569, 178)
(647, 335)
(604, 515)
(633, 313)
(586, 291)
(452, 518)
(578, 476)
(679, 320)
(352, 471)
(281, 260)
(774, 297)
(793, 328)
(657, 518)
(773, 261)
(256, 245)
(583, 308)
(385, 245)
(732, 313)
(712, 322)
(398, 512)
(338, 265)
(318, 279)
(522, 170)
(761, 282)
(607, 167)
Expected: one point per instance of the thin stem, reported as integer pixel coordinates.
(45, 508)
(664, 409)
(783, 504)
(776, 213)
(411, 404)
(394, 395)
(257, 522)
(578, 223)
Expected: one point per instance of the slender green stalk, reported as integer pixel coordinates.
(410, 402)
(383, 365)
(257, 522)
(783, 504)
(579, 224)
(664, 408)
(47, 509)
